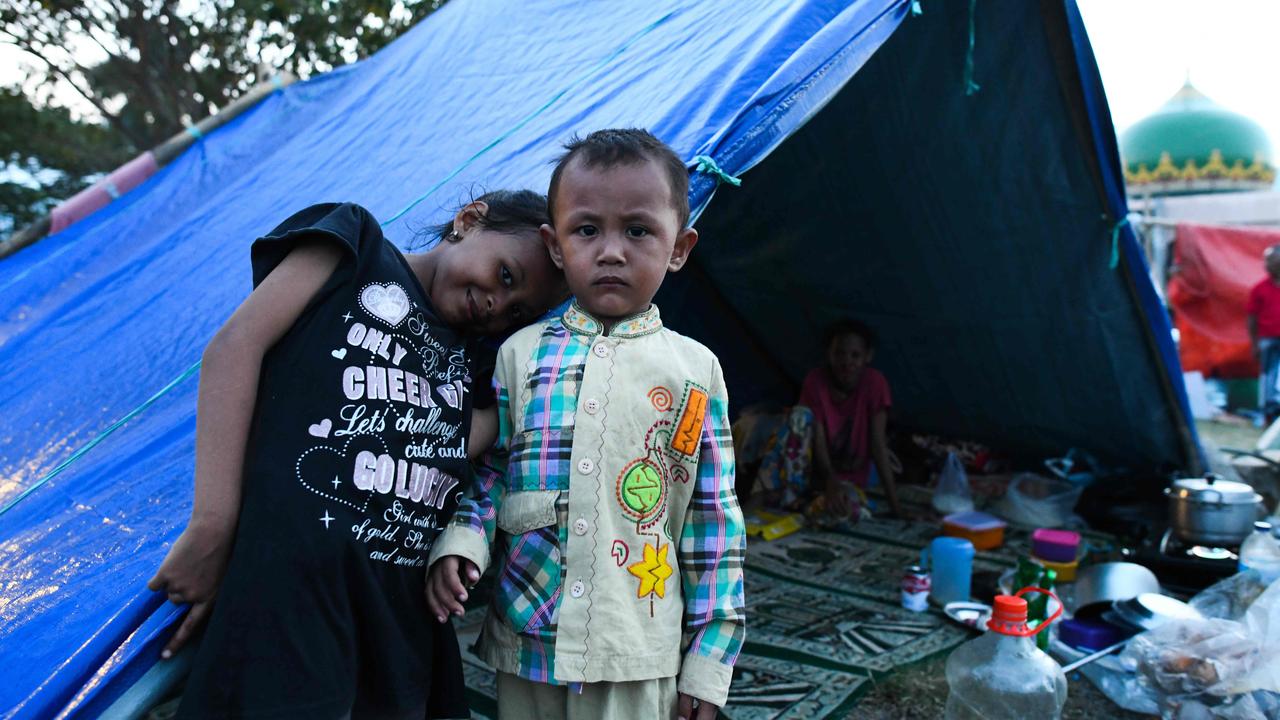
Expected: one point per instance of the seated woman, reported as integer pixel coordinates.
(821, 457)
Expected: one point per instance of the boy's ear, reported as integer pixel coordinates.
(549, 239)
(685, 241)
(469, 216)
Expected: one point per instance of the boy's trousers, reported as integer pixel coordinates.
(520, 699)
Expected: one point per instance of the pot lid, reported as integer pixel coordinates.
(1213, 490)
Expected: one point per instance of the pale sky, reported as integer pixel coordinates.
(1145, 48)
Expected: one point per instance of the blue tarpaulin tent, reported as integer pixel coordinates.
(949, 176)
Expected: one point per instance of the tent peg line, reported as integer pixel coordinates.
(100, 437)
(707, 165)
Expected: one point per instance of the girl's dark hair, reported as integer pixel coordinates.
(510, 211)
(848, 326)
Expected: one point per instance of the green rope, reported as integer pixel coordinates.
(554, 98)
(707, 164)
(100, 437)
(970, 87)
(1115, 242)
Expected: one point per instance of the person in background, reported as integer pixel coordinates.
(1263, 317)
(821, 458)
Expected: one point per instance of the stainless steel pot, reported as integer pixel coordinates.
(1212, 511)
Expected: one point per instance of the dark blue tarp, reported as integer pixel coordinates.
(968, 232)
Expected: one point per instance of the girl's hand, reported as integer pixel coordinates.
(447, 585)
(686, 710)
(484, 430)
(191, 573)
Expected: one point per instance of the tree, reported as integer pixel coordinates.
(148, 68)
(48, 156)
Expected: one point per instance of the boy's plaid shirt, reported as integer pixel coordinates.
(622, 535)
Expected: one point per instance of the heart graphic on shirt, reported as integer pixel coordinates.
(388, 303)
(318, 467)
(321, 429)
(340, 353)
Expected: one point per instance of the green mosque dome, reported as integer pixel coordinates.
(1193, 145)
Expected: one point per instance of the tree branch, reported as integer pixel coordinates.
(110, 117)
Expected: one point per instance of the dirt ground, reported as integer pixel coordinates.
(1229, 432)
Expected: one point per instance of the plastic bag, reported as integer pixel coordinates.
(1116, 680)
(1215, 668)
(1230, 598)
(1194, 657)
(1038, 501)
(952, 493)
(1262, 623)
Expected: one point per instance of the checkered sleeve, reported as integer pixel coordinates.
(712, 547)
(470, 533)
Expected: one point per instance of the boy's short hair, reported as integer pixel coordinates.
(624, 146)
(848, 326)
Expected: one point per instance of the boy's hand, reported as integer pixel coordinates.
(191, 573)
(447, 585)
(704, 710)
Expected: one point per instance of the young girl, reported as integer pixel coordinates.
(331, 441)
(840, 424)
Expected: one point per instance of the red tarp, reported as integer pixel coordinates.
(1215, 269)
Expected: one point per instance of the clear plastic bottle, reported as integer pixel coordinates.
(1261, 552)
(1002, 674)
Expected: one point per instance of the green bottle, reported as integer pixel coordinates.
(1038, 609)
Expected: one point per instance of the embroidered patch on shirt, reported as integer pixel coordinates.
(652, 571)
(620, 552)
(688, 430)
(661, 398)
(641, 491)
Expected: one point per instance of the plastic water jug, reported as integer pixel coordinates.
(1002, 674)
(951, 560)
(1261, 552)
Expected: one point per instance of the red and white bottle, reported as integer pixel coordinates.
(1003, 674)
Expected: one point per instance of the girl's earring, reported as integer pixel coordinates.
(455, 236)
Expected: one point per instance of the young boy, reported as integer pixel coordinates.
(609, 494)
(1264, 333)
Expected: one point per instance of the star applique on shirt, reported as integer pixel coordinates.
(653, 571)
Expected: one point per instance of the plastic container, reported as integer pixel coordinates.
(951, 560)
(771, 526)
(1091, 634)
(1066, 571)
(1261, 551)
(983, 530)
(1002, 674)
(1060, 546)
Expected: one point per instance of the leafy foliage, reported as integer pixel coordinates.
(150, 67)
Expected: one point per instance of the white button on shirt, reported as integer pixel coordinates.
(580, 526)
(601, 350)
(578, 588)
(585, 466)
(591, 405)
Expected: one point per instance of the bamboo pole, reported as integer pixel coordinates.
(164, 153)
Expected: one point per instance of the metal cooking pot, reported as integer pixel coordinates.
(1212, 511)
